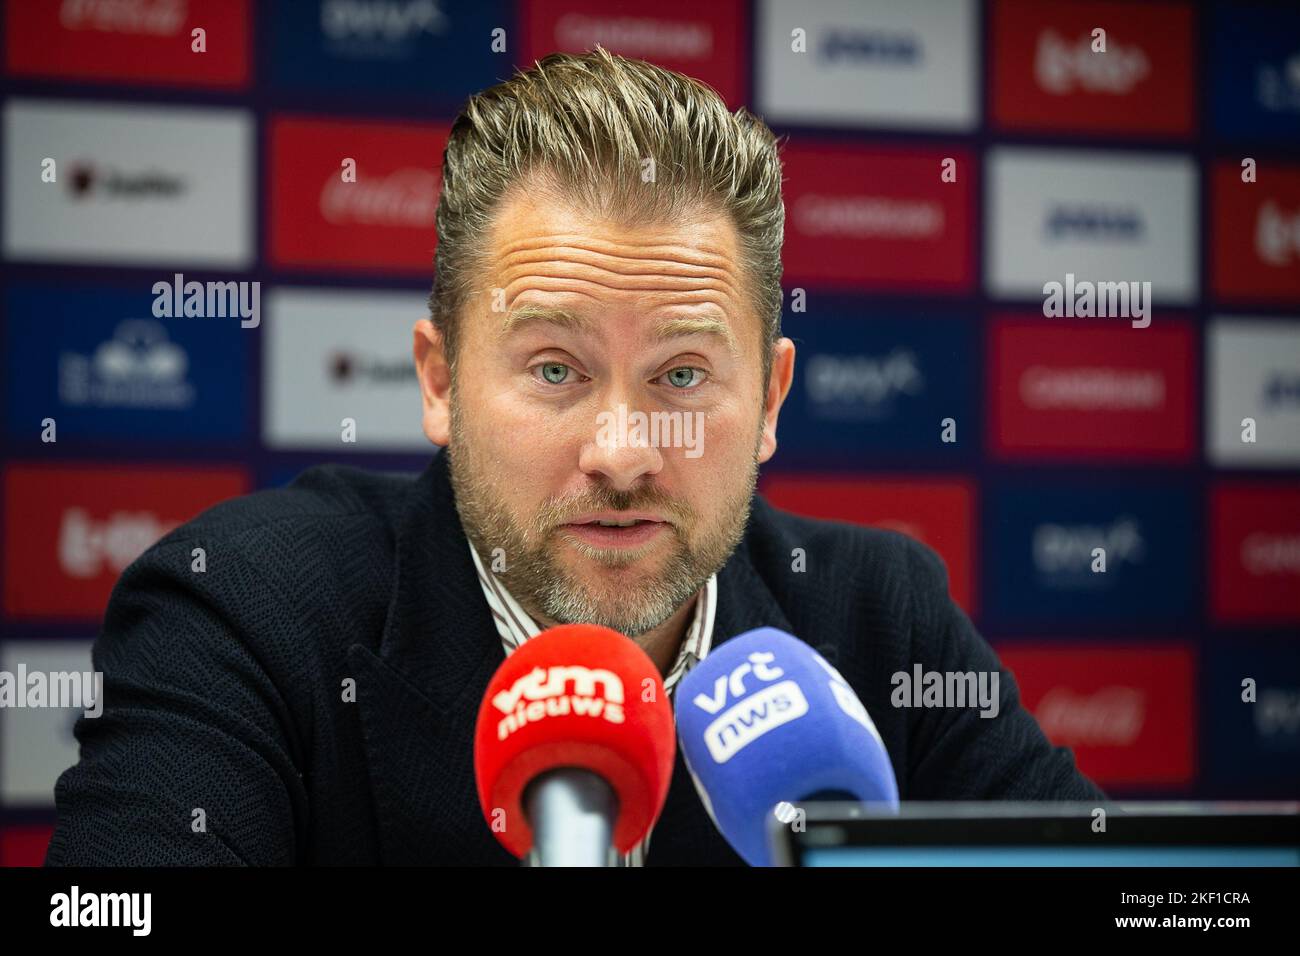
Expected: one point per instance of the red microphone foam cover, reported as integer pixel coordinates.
(575, 696)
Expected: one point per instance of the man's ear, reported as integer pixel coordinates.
(435, 382)
(778, 387)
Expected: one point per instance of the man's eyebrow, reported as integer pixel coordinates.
(525, 315)
(698, 325)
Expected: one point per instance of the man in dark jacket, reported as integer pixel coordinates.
(604, 367)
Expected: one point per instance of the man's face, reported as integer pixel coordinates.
(607, 373)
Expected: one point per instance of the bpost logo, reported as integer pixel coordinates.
(937, 512)
(149, 185)
(1094, 553)
(870, 62)
(355, 196)
(1253, 392)
(135, 41)
(1254, 553)
(1134, 78)
(1078, 391)
(853, 46)
(1101, 217)
(880, 386)
(1093, 221)
(876, 219)
(386, 46)
(1127, 712)
(1256, 232)
(560, 691)
(100, 366)
(702, 40)
(1255, 71)
(71, 530)
(329, 380)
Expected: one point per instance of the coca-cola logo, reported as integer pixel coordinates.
(1110, 717)
(1062, 66)
(405, 198)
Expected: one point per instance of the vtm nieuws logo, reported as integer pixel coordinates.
(559, 692)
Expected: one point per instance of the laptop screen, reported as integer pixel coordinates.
(1042, 834)
(1051, 856)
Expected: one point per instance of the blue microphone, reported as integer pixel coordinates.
(765, 720)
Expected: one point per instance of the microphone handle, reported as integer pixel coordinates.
(572, 813)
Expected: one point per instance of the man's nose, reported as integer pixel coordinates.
(621, 447)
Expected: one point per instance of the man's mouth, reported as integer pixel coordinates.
(617, 529)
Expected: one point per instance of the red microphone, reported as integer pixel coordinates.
(574, 746)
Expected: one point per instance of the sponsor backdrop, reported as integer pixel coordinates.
(1037, 289)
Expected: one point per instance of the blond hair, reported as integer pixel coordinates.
(586, 123)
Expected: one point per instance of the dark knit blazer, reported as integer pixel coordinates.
(228, 735)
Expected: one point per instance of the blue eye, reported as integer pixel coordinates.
(686, 380)
(554, 372)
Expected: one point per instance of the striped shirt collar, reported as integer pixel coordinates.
(515, 626)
